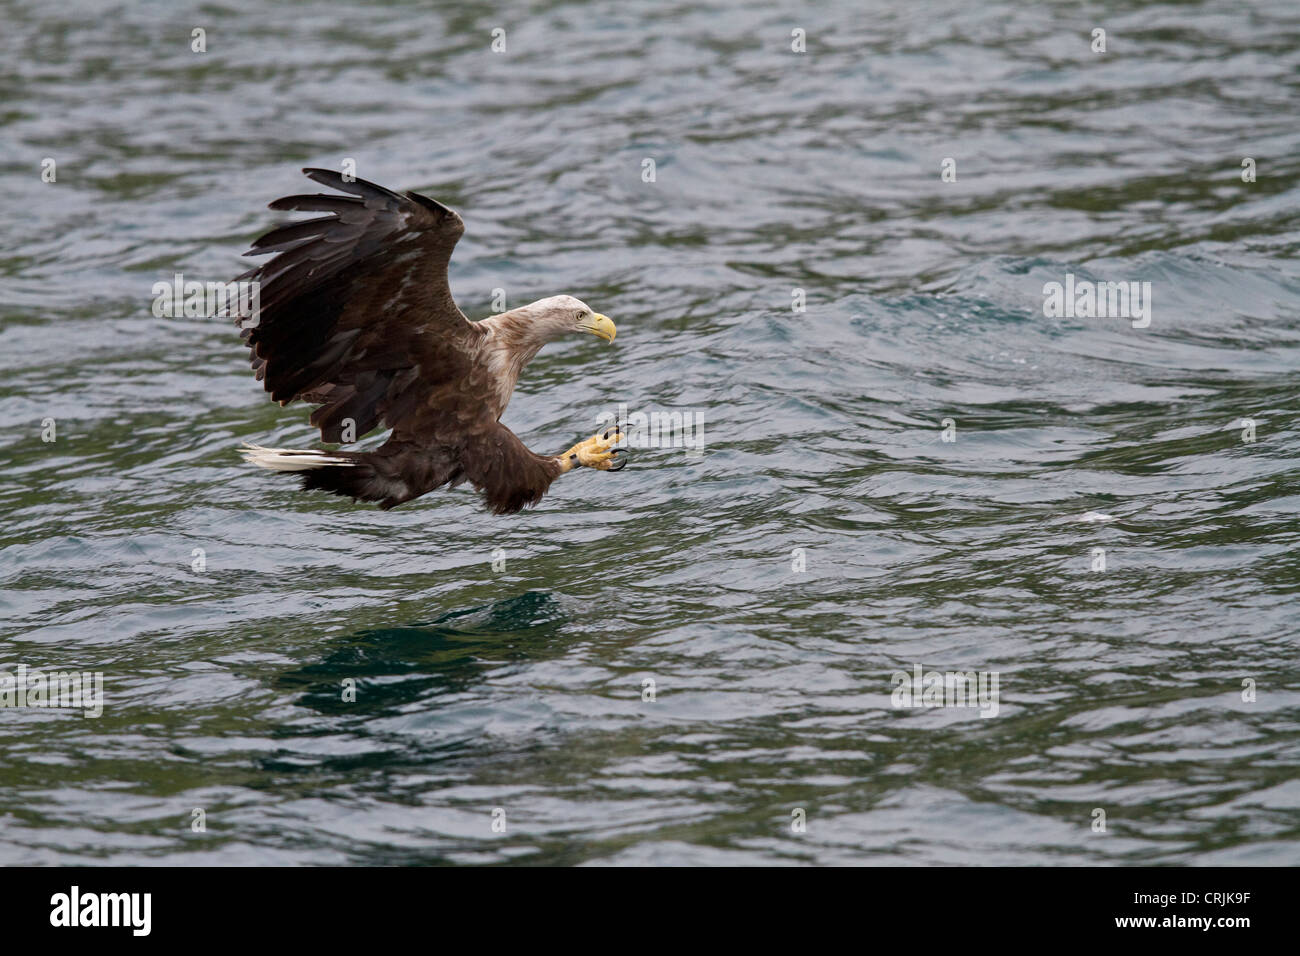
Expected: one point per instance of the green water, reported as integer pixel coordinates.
(827, 537)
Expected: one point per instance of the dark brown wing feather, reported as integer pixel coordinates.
(356, 310)
(357, 317)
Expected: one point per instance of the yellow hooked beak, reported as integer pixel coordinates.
(598, 324)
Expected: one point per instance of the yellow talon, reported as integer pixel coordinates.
(597, 452)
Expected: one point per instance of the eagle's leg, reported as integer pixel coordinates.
(597, 452)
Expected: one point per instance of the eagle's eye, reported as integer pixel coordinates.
(579, 316)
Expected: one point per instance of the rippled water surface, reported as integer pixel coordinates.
(827, 537)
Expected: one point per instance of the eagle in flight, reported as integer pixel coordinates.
(356, 317)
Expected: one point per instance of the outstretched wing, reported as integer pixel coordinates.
(356, 313)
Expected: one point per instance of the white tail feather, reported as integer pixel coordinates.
(284, 459)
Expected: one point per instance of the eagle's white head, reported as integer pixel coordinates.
(516, 336)
(557, 315)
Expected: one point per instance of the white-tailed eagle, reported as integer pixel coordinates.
(356, 317)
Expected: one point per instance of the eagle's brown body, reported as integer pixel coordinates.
(357, 317)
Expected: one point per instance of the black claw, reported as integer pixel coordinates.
(619, 463)
(616, 430)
